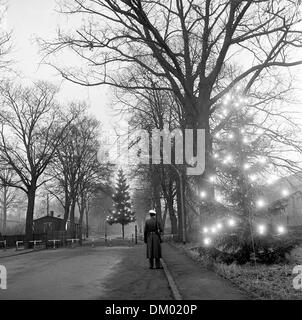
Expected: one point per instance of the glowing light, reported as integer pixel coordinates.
(260, 203)
(231, 136)
(242, 131)
(238, 88)
(253, 177)
(217, 135)
(246, 166)
(285, 192)
(237, 104)
(205, 230)
(213, 230)
(218, 198)
(281, 229)
(203, 194)
(212, 178)
(231, 222)
(228, 158)
(261, 229)
(227, 97)
(260, 131)
(215, 155)
(245, 140)
(262, 160)
(219, 226)
(225, 111)
(207, 241)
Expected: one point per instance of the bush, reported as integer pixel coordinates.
(267, 249)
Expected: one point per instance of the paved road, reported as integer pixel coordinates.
(117, 272)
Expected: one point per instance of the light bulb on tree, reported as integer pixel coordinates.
(219, 226)
(285, 192)
(260, 203)
(231, 136)
(212, 178)
(261, 229)
(246, 166)
(225, 112)
(218, 198)
(262, 160)
(245, 140)
(207, 241)
(213, 230)
(205, 230)
(231, 222)
(203, 194)
(280, 229)
(253, 177)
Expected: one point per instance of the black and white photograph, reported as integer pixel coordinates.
(150, 153)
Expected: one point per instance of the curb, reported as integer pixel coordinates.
(175, 292)
(18, 254)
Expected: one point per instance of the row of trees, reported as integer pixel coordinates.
(45, 146)
(176, 63)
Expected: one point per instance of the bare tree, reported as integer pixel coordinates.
(5, 38)
(8, 194)
(29, 137)
(190, 45)
(76, 171)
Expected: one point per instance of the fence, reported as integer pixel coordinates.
(60, 236)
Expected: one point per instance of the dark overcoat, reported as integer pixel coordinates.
(152, 238)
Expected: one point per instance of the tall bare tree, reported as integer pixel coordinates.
(76, 170)
(191, 45)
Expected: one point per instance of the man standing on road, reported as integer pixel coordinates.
(152, 239)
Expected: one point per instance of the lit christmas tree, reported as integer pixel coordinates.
(242, 150)
(121, 212)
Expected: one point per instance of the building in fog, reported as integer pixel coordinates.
(285, 201)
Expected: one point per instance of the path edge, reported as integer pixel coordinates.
(173, 287)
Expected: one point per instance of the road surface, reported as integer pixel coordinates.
(116, 272)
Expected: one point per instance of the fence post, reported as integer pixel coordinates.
(135, 229)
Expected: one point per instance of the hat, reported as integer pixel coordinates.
(152, 212)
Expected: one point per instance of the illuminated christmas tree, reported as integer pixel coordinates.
(242, 161)
(121, 213)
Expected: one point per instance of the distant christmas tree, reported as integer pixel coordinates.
(121, 212)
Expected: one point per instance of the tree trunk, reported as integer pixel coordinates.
(66, 211)
(87, 228)
(179, 210)
(4, 217)
(31, 194)
(165, 216)
(123, 231)
(72, 219)
(204, 123)
(81, 209)
(156, 186)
